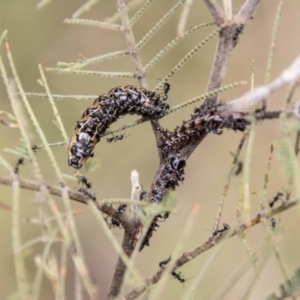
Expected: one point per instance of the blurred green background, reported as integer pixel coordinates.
(40, 36)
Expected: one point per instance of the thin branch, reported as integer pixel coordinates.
(227, 4)
(130, 39)
(273, 42)
(124, 253)
(140, 12)
(158, 25)
(84, 8)
(226, 187)
(184, 17)
(99, 24)
(43, 3)
(261, 93)
(173, 43)
(87, 61)
(139, 69)
(188, 256)
(53, 106)
(94, 73)
(121, 267)
(187, 57)
(118, 14)
(216, 11)
(63, 97)
(227, 41)
(73, 195)
(224, 49)
(247, 11)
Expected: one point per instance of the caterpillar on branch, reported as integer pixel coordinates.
(107, 109)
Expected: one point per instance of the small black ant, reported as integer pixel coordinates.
(164, 216)
(73, 247)
(116, 138)
(273, 223)
(178, 276)
(218, 231)
(167, 87)
(84, 181)
(115, 223)
(239, 30)
(19, 162)
(275, 199)
(121, 209)
(163, 263)
(142, 195)
(239, 168)
(34, 148)
(87, 194)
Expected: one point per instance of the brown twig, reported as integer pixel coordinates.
(188, 256)
(120, 269)
(73, 195)
(247, 11)
(227, 40)
(216, 11)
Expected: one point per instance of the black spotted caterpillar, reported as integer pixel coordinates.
(105, 110)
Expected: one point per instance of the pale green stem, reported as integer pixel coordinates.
(63, 97)
(60, 291)
(93, 73)
(68, 234)
(140, 12)
(184, 17)
(88, 61)
(43, 3)
(159, 24)
(78, 287)
(118, 14)
(103, 25)
(173, 43)
(20, 268)
(84, 8)
(228, 181)
(273, 42)
(246, 205)
(54, 108)
(37, 282)
(186, 58)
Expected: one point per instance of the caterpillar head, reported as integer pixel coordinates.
(79, 150)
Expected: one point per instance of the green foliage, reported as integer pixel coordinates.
(289, 288)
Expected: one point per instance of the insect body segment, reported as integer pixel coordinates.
(163, 263)
(19, 162)
(178, 276)
(220, 231)
(120, 210)
(115, 138)
(278, 197)
(107, 109)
